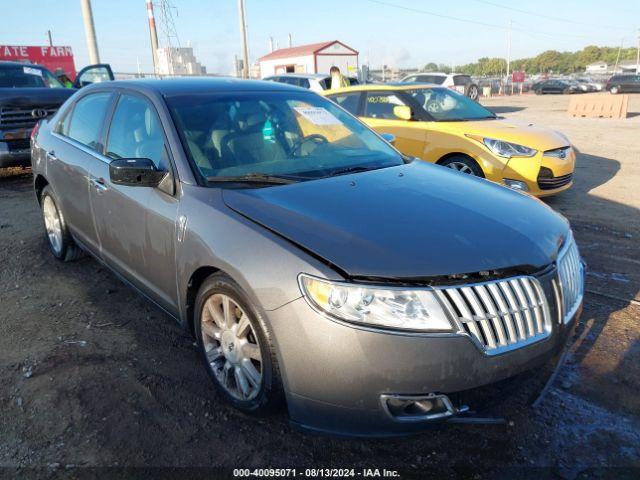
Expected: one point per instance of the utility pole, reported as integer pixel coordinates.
(49, 37)
(509, 55)
(638, 55)
(615, 68)
(290, 41)
(90, 31)
(153, 33)
(243, 40)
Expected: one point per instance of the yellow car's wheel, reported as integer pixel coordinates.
(463, 164)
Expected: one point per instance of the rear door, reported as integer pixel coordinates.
(77, 140)
(411, 136)
(137, 225)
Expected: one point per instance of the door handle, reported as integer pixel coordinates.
(98, 183)
(51, 155)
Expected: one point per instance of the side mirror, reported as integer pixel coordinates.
(403, 112)
(135, 172)
(389, 137)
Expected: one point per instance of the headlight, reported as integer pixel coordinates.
(396, 308)
(508, 150)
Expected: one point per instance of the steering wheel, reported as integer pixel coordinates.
(316, 138)
(434, 106)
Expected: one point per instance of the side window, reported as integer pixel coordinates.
(349, 101)
(461, 80)
(87, 119)
(304, 83)
(136, 132)
(380, 105)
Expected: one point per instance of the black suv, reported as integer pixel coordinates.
(624, 84)
(29, 93)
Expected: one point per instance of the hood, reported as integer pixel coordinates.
(408, 222)
(34, 97)
(526, 134)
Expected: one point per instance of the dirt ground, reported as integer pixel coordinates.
(92, 375)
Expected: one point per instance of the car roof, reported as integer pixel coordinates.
(5, 63)
(181, 85)
(300, 75)
(387, 87)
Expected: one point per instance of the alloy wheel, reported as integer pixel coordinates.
(231, 347)
(460, 167)
(52, 224)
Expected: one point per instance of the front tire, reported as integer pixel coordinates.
(236, 347)
(615, 90)
(463, 164)
(59, 239)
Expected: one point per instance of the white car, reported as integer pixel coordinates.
(460, 82)
(316, 82)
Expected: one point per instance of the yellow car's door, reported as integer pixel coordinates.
(411, 136)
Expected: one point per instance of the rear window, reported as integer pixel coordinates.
(461, 80)
(437, 79)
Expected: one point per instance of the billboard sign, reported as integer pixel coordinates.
(54, 58)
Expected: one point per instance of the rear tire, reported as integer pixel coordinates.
(473, 92)
(463, 164)
(239, 356)
(59, 239)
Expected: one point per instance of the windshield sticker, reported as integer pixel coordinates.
(32, 71)
(318, 115)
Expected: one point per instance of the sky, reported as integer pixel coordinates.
(397, 33)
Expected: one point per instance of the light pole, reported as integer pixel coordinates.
(90, 31)
(243, 40)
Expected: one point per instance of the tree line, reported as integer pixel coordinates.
(550, 61)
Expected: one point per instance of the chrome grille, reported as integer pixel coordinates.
(501, 315)
(21, 116)
(571, 276)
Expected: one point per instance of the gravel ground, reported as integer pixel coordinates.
(95, 381)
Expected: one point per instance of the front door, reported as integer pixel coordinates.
(137, 225)
(411, 137)
(77, 142)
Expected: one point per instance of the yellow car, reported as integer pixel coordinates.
(442, 126)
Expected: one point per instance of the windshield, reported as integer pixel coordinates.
(448, 105)
(299, 135)
(27, 77)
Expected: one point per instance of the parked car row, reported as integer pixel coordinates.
(318, 266)
(628, 83)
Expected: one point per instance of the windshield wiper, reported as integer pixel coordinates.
(258, 178)
(353, 169)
